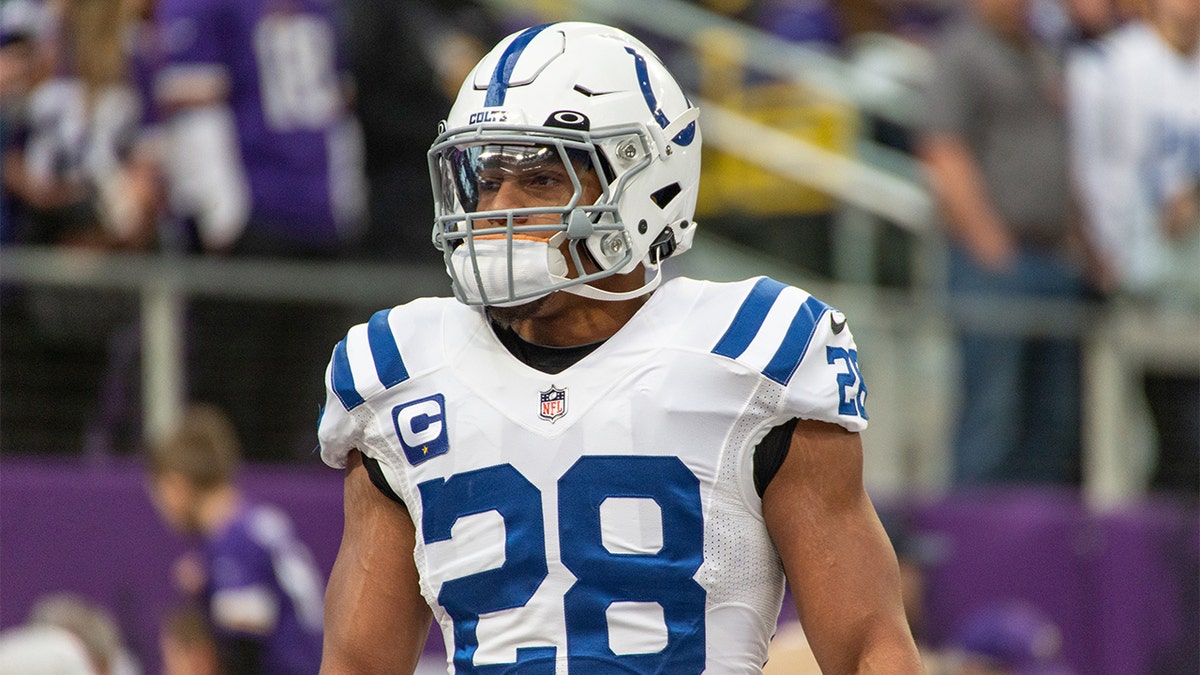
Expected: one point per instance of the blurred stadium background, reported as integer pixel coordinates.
(809, 178)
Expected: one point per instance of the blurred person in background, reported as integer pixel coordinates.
(993, 140)
(21, 25)
(815, 23)
(264, 160)
(1091, 20)
(187, 643)
(1008, 637)
(74, 172)
(76, 175)
(1135, 112)
(66, 635)
(255, 580)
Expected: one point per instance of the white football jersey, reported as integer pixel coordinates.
(1135, 114)
(602, 519)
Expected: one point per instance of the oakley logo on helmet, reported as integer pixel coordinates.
(568, 119)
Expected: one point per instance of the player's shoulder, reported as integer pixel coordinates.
(761, 323)
(393, 346)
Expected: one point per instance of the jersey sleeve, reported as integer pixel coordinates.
(366, 363)
(828, 384)
(804, 348)
(336, 430)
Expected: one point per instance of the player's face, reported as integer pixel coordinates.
(512, 177)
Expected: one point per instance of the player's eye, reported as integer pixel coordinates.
(545, 179)
(489, 183)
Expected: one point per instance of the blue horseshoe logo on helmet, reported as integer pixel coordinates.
(684, 137)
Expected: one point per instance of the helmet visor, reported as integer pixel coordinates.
(493, 176)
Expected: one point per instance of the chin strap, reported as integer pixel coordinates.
(598, 294)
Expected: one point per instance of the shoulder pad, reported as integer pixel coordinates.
(772, 329)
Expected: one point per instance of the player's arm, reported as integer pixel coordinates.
(376, 620)
(839, 564)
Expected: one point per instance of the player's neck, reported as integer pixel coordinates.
(575, 321)
(218, 508)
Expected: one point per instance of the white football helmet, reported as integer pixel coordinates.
(593, 98)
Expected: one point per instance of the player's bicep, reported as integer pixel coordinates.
(376, 620)
(838, 561)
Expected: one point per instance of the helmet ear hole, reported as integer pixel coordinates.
(663, 196)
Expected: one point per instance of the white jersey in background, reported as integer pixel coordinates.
(1135, 114)
(605, 518)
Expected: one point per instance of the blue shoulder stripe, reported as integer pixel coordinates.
(795, 341)
(388, 364)
(384, 351)
(343, 380)
(498, 86)
(749, 318)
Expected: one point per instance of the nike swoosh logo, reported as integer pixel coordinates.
(835, 325)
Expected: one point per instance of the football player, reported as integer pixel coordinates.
(572, 465)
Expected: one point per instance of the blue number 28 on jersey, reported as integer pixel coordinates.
(602, 577)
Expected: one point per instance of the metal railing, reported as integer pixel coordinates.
(908, 335)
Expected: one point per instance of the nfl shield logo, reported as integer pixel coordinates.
(553, 403)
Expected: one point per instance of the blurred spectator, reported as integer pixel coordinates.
(1135, 100)
(264, 154)
(407, 55)
(73, 176)
(1007, 638)
(815, 23)
(911, 19)
(44, 650)
(994, 144)
(264, 159)
(1093, 19)
(21, 25)
(256, 581)
(66, 635)
(70, 173)
(187, 644)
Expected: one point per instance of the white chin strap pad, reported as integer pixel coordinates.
(598, 294)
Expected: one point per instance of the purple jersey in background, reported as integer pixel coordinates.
(264, 586)
(300, 150)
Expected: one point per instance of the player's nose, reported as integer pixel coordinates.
(509, 195)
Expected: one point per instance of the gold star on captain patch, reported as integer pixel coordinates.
(425, 450)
